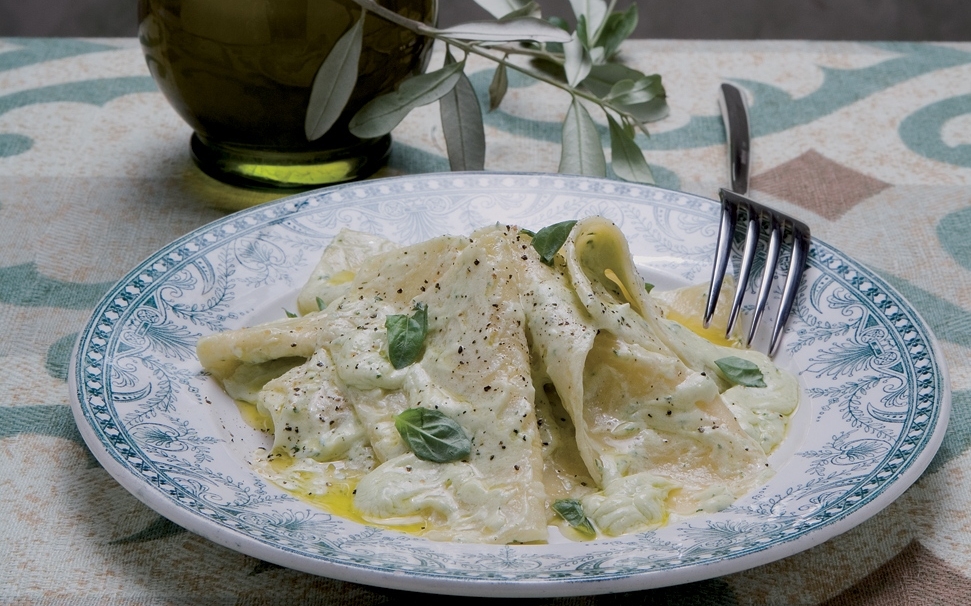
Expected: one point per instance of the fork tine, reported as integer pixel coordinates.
(745, 267)
(797, 263)
(771, 260)
(779, 224)
(726, 231)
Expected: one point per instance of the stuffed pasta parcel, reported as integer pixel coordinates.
(482, 388)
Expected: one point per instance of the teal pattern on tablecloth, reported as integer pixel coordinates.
(95, 175)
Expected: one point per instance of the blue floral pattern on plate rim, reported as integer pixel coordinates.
(874, 404)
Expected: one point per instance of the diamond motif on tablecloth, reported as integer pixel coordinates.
(819, 184)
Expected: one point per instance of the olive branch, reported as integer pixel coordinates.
(582, 62)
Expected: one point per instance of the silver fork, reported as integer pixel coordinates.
(782, 229)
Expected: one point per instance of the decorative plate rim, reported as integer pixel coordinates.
(123, 457)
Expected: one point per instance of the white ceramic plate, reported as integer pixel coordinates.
(874, 405)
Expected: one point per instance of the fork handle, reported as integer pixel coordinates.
(735, 117)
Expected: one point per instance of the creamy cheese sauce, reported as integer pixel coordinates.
(568, 380)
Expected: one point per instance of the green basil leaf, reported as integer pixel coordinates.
(381, 114)
(462, 125)
(550, 239)
(289, 313)
(432, 436)
(334, 82)
(648, 286)
(739, 371)
(406, 336)
(498, 87)
(320, 304)
(581, 152)
(626, 157)
(572, 511)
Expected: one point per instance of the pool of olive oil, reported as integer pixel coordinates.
(339, 498)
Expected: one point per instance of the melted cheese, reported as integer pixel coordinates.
(475, 370)
(338, 266)
(566, 377)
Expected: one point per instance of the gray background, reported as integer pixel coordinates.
(705, 19)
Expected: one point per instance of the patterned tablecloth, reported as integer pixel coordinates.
(868, 143)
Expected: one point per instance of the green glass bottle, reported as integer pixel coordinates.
(240, 73)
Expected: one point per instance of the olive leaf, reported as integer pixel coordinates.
(617, 28)
(632, 92)
(582, 35)
(501, 8)
(380, 115)
(603, 77)
(432, 436)
(334, 82)
(559, 22)
(556, 47)
(739, 371)
(626, 157)
(579, 61)
(644, 98)
(576, 61)
(530, 9)
(462, 125)
(651, 111)
(498, 86)
(593, 12)
(581, 153)
(406, 336)
(512, 30)
(549, 240)
(572, 511)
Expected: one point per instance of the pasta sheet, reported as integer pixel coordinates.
(566, 376)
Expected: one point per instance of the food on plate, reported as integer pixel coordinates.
(481, 388)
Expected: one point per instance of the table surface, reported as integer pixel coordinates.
(868, 143)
